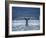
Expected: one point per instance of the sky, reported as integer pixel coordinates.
(25, 12)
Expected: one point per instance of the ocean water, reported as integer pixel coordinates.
(20, 25)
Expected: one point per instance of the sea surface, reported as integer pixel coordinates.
(20, 25)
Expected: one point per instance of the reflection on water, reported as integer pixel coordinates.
(20, 25)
